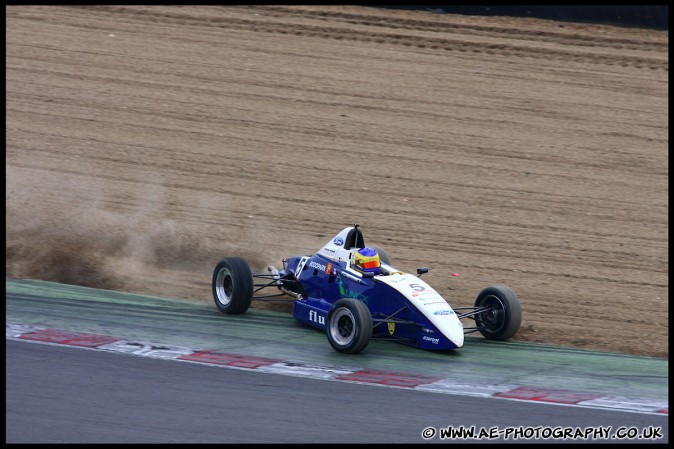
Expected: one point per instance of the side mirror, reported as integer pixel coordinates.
(368, 275)
(422, 270)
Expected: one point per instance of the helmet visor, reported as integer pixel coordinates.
(370, 264)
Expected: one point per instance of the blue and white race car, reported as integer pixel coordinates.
(354, 294)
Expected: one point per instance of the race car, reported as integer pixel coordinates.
(355, 294)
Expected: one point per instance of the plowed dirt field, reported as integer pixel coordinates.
(144, 143)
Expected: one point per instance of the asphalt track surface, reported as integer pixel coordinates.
(58, 394)
(72, 395)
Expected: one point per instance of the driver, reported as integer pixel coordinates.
(366, 260)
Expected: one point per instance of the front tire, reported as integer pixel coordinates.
(348, 326)
(232, 285)
(504, 315)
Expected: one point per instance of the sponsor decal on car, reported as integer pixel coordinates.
(316, 317)
(433, 302)
(328, 269)
(426, 292)
(346, 293)
(396, 279)
(433, 340)
(318, 266)
(444, 312)
(338, 241)
(391, 328)
(427, 330)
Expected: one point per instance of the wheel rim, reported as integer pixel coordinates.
(342, 327)
(224, 286)
(494, 318)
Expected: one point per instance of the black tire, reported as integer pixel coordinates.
(503, 319)
(348, 326)
(382, 254)
(232, 285)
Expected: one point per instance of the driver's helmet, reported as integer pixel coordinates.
(367, 261)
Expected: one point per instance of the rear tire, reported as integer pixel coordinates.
(232, 285)
(503, 319)
(348, 326)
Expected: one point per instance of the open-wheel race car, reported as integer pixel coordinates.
(354, 293)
